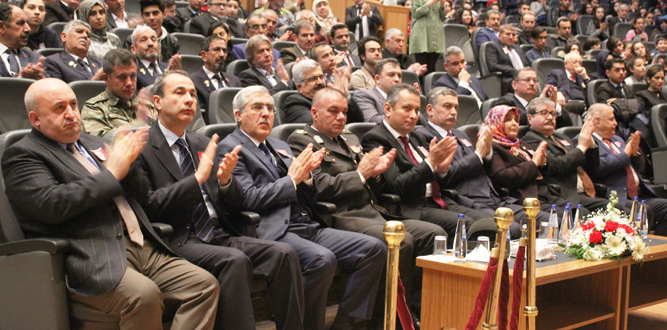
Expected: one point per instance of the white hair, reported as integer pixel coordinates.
(242, 97)
(140, 29)
(391, 33)
(300, 69)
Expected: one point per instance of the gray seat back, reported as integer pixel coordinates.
(220, 108)
(13, 114)
(86, 89)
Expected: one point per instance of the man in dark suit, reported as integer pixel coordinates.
(116, 263)
(420, 169)
(152, 12)
(623, 11)
(563, 35)
(212, 75)
(14, 33)
(309, 79)
(620, 165)
(260, 57)
(340, 36)
(371, 102)
(254, 25)
(193, 10)
(305, 39)
(201, 23)
(347, 178)
(145, 47)
(362, 19)
(116, 15)
(393, 48)
(60, 11)
(490, 32)
(527, 25)
(458, 78)
(280, 188)
(572, 81)
(505, 57)
(73, 63)
(175, 189)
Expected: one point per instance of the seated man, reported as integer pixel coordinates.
(620, 165)
(490, 33)
(309, 79)
(146, 48)
(280, 188)
(193, 10)
(340, 36)
(73, 63)
(371, 102)
(571, 82)
(305, 39)
(285, 17)
(60, 11)
(420, 168)
(196, 201)
(261, 73)
(152, 13)
(393, 47)
(458, 78)
(563, 35)
(370, 51)
(345, 178)
(212, 75)
(118, 105)
(200, 24)
(539, 50)
(116, 15)
(40, 36)
(14, 31)
(505, 57)
(116, 263)
(527, 26)
(338, 78)
(254, 25)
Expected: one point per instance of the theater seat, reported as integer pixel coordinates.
(86, 89)
(13, 114)
(220, 106)
(283, 131)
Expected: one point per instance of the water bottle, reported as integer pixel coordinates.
(635, 210)
(565, 226)
(460, 240)
(552, 236)
(642, 220)
(508, 241)
(577, 217)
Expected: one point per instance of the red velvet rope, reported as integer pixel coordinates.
(402, 307)
(482, 295)
(518, 286)
(504, 297)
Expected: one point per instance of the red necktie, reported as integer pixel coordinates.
(435, 187)
(632, 186)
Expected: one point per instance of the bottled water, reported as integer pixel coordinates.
(460, 240)
(552, 236)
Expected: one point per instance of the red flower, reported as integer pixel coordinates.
(610, 226)
(596, 237)
(588, 225)
(628, 229)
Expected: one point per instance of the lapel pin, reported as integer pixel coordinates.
(318, 139)
(72, 64)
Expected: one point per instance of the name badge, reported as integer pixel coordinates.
(100, 153)
(356, 149)
(424, 151)
(283, 152)
(466, 142)
(617, 143)
(565, 143)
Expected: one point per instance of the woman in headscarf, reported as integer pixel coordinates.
(101, 41)
(323, 15)
(514, 164)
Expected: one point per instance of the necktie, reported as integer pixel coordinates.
(620, 89)
(14, 66)
(516, 62)
(202, 220)
(153, 68)
(572, 78)
(348, 59)
(219, 80)
(632, 186)
(126, 212)
(267, 153)
(586, 181)
(85, 67)
(435, 187)
(360, 26)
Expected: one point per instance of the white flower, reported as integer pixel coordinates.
(593, 254)
(639, 249)
(615, 245)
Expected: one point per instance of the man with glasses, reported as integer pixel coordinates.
(212, 75)
(216, 13)
(539, 39)
(505, 57)
(279, 186)
(309, 79)
(458, 78)
(254, 25)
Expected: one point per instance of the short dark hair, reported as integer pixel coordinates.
(335, 28)
(215, 26)
(612, 41)
(653, 70)
(379, 66)
(537, 31)
(302, 25)
(23, 2)
(313, 51)
(561, 20)
(394, 91)
(590, 42)
(119, 56)
(568, 47)
(207, 42)
(158, 86)
(169, 3)
(608, 64)
(247, 21)
(517, 73)
(362, 44)
(6, 13)
(662, 37)
(147, 3)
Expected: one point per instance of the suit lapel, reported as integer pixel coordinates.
(250, 146)
(203, 77)
(263, 78)
(76, 66)
(163, 153)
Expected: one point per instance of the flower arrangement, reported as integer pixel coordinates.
(606, 234)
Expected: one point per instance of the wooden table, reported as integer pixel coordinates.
(570, 295)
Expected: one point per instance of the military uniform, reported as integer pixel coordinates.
(105, 112)
(337, 181)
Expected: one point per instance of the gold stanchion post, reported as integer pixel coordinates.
(394, 232)
(504, 218)
(531, 206)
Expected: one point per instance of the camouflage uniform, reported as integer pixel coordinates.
(105, 112)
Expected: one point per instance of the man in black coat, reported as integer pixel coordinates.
(152, 12)
(362, 19)
(259, 54)
(505, 57)
(116, 15)
(193, 10)
(309, 79)
(216, 13)
(212, 75)
(60, 11)
(73, 63)
(146, 48)
(458, 78)
(21, 62)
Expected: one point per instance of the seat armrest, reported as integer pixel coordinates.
(451, 193)
(248, 218)
(388, 199)
(325, 208)
(556, 187)
(162, 229)
(491, 74)
(49, 244)
(600, 190)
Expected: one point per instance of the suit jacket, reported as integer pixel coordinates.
(403, 177)
(612, 173)
(515, 173)
(625, 107)
(499, 61)
(239, 51)
(201, 24)
(563, 165)
(144, 78)
(352, 19)
(290, 54)
(647, 100)
(168, 46)
(404, 59)
(235, 27)
(27, 56)
(53, 195)
(356, 60)
(371, 103)
(613, 21)
(168, 196)
(205, 87)
(338, 181)
(252, 77)
(184, 14)
(297, 109)
(111, 23)
(447, 81)
(56, 11)
(265, 190)
(64, 67)
(485, 35)
(559, 79)
(511, 100)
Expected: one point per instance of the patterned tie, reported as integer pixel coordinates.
(126, 212)
(14, 66)
(586, 181)
(267, 153)
(219, 80)
(86, 68)
(153, 68)
(202, 220)
(435, 187)
(632, 186)
(516, 62)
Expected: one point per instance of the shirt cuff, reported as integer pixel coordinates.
(464, 84)
(223, 188)
(363, 181)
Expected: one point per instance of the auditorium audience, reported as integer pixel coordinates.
(340, 37)
(654, 95)
(636, 71)
(184, 14)
(371, 101)
(370, 51)
(212, 76)
(458, 78)
(60, 11)
(285, 17)
(116, 15)
(305, 39)
(491, 30)
(309, 79)
(254, 25)
(152, 13)
(571, 82)
(259, 53)
(505, 56)
(323, 15)
(393, 48)
(145, 46)
(539, 40)
(362, 19)
(215, 13)
(597, 27)
(337, 78)
(527, 26)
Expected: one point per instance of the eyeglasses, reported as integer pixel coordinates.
(257, 26)
(218, 50)
(546, 114)
(259, 107)
(533, 80)
(315, 78)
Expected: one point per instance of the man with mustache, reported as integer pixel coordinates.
(285, 17)
(305, 39)
(61, 11)
(256, 24)
(309, 79)
(145, 47)
(211, 76)
(340, 36)
(118, 105)
(116, 15)
(14, 32)
(73, 63)
(153, 15)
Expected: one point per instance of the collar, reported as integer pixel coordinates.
(113, 99)
(384, 95)
(76, 58)
(301, 50)
(210, 73)
(116, 18)
(569, 75)
(615, 85)
(440, 130)
(252, 139)
(164, 34)
(77, 145)
(265, 73)
(597, 136)
(393, 132)
(147, 64)
(3, 48)
(64, 4)
(170, 136)
(192, 11)
(318, 131)
(522, 100)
